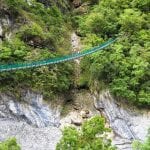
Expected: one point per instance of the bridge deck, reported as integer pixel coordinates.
(24, 65)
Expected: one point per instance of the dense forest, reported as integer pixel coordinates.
(124, 68)
(41, 33)
(37, 33)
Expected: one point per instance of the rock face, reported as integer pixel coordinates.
(76, 3)
(128, 123)
(37, 125)
(80, 109)
(6, 25)
(30, 109)
(30, 138)
(33, 122)
(75, 42)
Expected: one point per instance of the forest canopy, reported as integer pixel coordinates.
(92, 135)
(124, 67)
(43, 31)
(37, 32)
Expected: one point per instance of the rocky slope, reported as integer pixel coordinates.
(30, 138)
(33, 121)
(30, 121)
(128, 122)
(31, 109)
(6, 23)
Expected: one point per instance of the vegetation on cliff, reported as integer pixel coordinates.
(9, 144)
(39, 31)
(92, 136)
(124, 67)
(142, 146)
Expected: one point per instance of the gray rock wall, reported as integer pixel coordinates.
(127, 122)
(6, 26)
(33, 122)
(30, 109)
(36, 124)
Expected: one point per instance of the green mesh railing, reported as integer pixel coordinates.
(24, 65)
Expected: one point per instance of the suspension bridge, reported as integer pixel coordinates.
(45, 62)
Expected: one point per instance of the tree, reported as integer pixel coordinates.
(92, 135)
(38, 33)
(123, 67)
(9, 144)
(131, 20)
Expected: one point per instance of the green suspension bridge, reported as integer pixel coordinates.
(24, 65)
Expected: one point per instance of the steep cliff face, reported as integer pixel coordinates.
(31, 109)
(127, 122)
(30, 119)
(33, 121)
(11, 18)
(6, 22)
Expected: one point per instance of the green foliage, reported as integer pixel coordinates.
(91, 1)
(142, 146)
(13, 50)
(41, 33)
(143, 5)
(91, 136)
(131, 20)
(124, 67)
(16, 4)
(9, 144)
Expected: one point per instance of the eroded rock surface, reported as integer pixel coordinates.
(33, 122)
(37, 125)
(31, 109)
(80, 109)
(128, 123)
(6, 26)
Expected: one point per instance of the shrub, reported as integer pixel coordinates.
(91, 136)
(9, 144)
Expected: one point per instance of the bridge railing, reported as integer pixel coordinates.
(9, 67)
